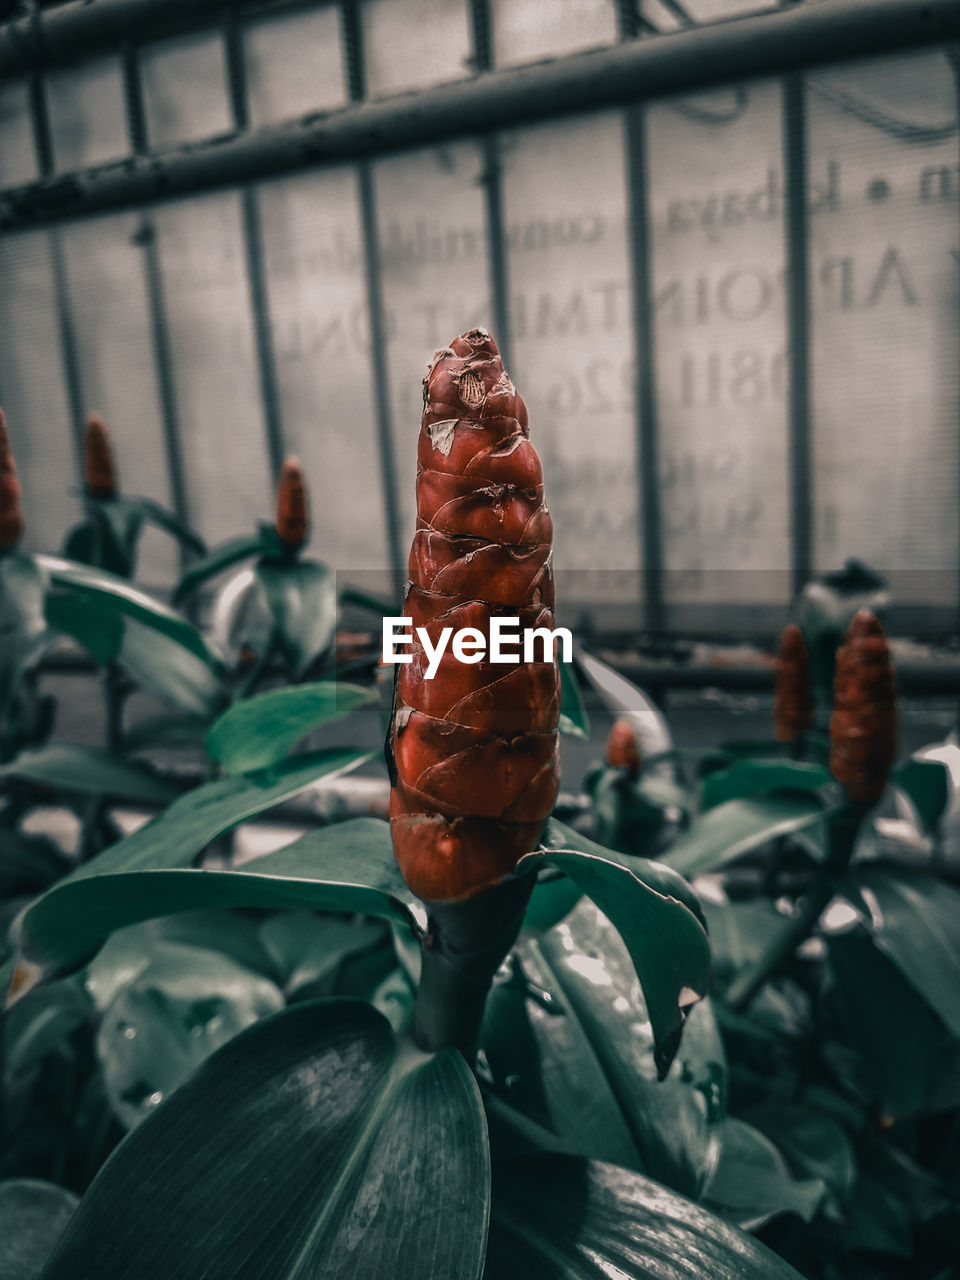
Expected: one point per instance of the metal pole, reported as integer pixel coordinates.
(355, 71)
(253, 256)
(765, 44)
(798, 327)
(146, 238)
(492, 178)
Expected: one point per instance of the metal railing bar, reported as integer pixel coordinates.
(762, 45)
(73, 32)
(146, 238)
(794, 132)
(252, 231)
(351, 33)
(492, 180)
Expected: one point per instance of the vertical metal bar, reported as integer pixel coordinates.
(492, 179)
(66, 329)
(146, 238)
(953, 57)
(793, 96)
(254, 257)
(355, 73)
(649, 521)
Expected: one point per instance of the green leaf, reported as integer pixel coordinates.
(348, 867)
(657, 915)
(302, 597)
(902, 1044)
(216, 562)
(41, 1022)
(323, 1146)
(95, 626)
(97, 585)
(162, 665)
(919, 930)
(554, 896)
(312, 953)
(814, 1144)
(22, 624)
(753, 1184)
(33, 1215)
(562, 1218)
(88, 771)
(573, 714)
(184, 1004)
(927, 783)
(171, 729)
(740, 932)
(149, 510)
(259, 731)
(622, 698)
(567, 1041)
(756, 777)
(737, 826)
(28, 862)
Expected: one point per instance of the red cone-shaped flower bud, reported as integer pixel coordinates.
(11, 504)
(792, 700)
(292, 514)
(475, 747)
(863, 727)
(623, 751)
(100, 472)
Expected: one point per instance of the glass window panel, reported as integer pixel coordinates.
(111, 317)
(716, 219)
(215, 370)
(88, 120)
(32, 391)
(568, 267)
(885, 266)
(18, 161)
(528, 30)
(294, 65)
(412, 43)
(317, 290)
(184, 89)
(436, 280)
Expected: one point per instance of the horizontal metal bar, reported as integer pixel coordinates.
(71, 32)
(760, 45)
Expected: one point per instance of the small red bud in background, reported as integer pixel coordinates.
(792, 701)
(863, 727)
(292, 517)
(100, 472)
(623, 751)
(11, 504)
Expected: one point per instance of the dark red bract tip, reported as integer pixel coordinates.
(11, 501)
(292, 512)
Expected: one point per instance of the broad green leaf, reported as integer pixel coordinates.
(626, 818)
(573, 714)
(166, 668)
(348, 867)
(554, 896)
(756, 777)
(323, 1146)
(814, 1144)
(567, 1042)
(740, 932)
(257, 732)
(170, 729)
(40, 1023)
(182, 1006)
(216, 562)
(93, 624)
(902, 1044)
(158, 515)
(561, 1218)
(753, 1184)
(96, 584)
(33, 1215)
(622, 698)
(302, 597)
(657, 915)
(88, 771)
(919, 930)
(22, 624)
(311, 953)
(927, 783)
(28, 862)
(737, 826)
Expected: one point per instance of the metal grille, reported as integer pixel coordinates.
(645, 528)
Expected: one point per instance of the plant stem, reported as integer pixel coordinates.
(461, 951)
(842, 835)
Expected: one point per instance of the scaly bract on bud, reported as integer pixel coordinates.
(11, 501)
(99, 468)
(292, 512)
(863, 727)
(792, 700)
